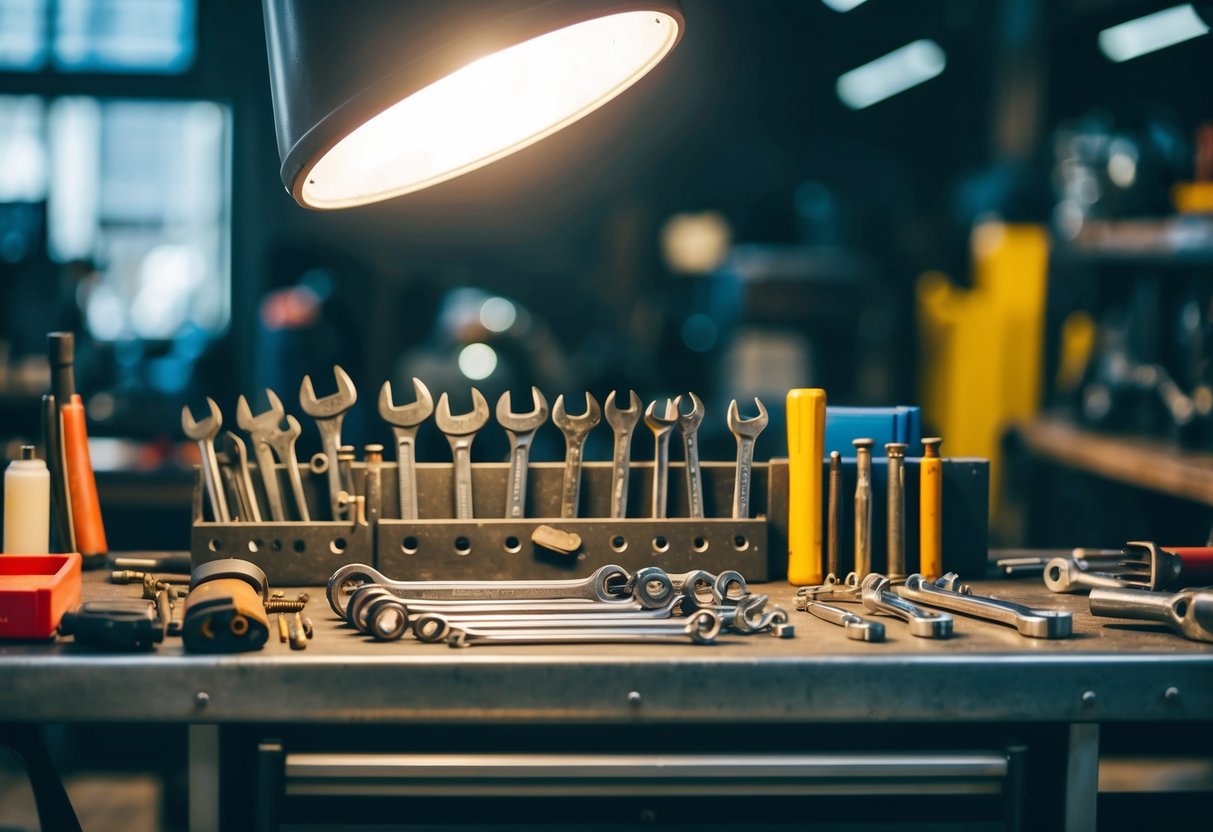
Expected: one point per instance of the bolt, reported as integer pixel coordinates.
(634, 698)
(1171, 694)
(283, 633)
(201, 698)
(284, 605)
(1088, 698)
(308, 630)
(126, 576)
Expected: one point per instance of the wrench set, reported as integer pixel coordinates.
(455, 519)
(610, 606)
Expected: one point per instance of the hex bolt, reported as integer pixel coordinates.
(202, 698)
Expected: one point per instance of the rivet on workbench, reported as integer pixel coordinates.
(1171, 695)
(1088, 698)
(202, 698)
(634, 698)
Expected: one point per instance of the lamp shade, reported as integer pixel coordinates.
(375, 99)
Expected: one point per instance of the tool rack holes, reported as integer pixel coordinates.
(299, 546)
(463, 546)
(214, 545)
(337, 546)
(409, 545)
(700, 544)
(256, 545)
(513, 545)
(619, 543)
(660, 544)
(740, 543)
(276, 546)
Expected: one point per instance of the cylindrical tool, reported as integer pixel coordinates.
(27, 505)
(82, 485)
(61, 503)
(806, 449)
(895, 567)
(834, 514)
(863, 506)
(930, 510)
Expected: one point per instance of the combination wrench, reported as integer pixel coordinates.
(1068, 575)
(876, 597)
(1033, 623)
(283, 442)
(1188, 612)
(405, 419)
(661, 427)
(260, 428)
(520, 428)
(575, 430)
(746, 431)
(204, 433)
(246, 495)
(855, 626)
(701, 627)
(328, 413)
(688, 426)
(622, 422)
(460, 432)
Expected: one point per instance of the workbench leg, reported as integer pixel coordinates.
(204, 778)
(1082, 777)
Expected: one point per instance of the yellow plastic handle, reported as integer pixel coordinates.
(806, 449)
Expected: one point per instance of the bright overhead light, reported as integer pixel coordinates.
(843, 5)
(1150, 33)
(890, 74)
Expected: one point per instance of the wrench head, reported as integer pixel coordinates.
(1194, 610)
(576, 425)
(660, 424)
(747, 427)
(622, 420)
(689, 422)
(283, 439)
(522, 422)
(1059, 575)
(465, 423)
(235, 449)
(263, 423)
(206, 429)
(332, 405)
(406, 415)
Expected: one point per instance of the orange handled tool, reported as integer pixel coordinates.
(806, 450)
(930, 510)
(81, 484)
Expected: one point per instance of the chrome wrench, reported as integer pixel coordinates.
(237, 454)
(688, 426)
(1033, 623)
(460, 432)
(283, 443)
(622, 422)
(855, 626)
(204, 434)
(661, 427)
(405, 419)
(1067, 575)
(746, 431)
(701, 627)
(329, 413)
(520, 428)
(260, 428)
(575, 430)
(876, 597)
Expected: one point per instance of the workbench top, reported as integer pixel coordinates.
(985, 672)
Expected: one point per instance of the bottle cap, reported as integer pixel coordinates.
(28, 452)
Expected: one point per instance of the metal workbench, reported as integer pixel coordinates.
(1108, 672)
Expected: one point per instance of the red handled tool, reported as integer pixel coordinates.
(81, 484)
(1147, 565)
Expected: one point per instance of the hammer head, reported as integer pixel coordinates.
(522, 422)
(465, 423)
(406, 415)
(747, 427)
(206, 429)
(622, 420)
(332, 405)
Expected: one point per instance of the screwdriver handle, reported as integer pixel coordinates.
(81, 484)
(1197, 560)
(806, 450)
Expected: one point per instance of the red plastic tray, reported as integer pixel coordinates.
(35, 591)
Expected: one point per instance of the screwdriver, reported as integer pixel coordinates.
(806, 450)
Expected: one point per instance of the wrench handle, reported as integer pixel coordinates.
(292, 468)
(406, 472)
(690, 445)
(620, 469)
(741, 483)
(244, 482)
(1137, 604)
(461, 450)
(570, 489)
(520, 460)
(330, 440)
(214, 485)
(269, 476)
(661, 475)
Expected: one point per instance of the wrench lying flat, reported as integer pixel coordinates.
(436, 626)
(622, 422)
(855, 626)
(701, 628)
(520, 428)
(460, 432)
(1033, 623)
(1066, 575)
(923, 623)
(204, 434)
(605, 584)
(329, 413)
(405, 419)
(1188, 612)
(575, 430)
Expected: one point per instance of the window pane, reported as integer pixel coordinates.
(22, 149)
(124, 35)
(22, 34)
(143, 189)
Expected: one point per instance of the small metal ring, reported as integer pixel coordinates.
(725, 582)
(652, 587)
(703, 626)
(319, 463)
(338, 590)
(387, 619)
(360, 602)
(431, 628)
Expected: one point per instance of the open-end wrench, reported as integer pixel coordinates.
(876, 597)
(1188, 612)
(1033, 623)
(575, 430)
(855, 626)
(1067, 575)
(622, 422)
(204, 433)
(283, 442)
(260, 428)
(405, 419)
(328, 413)
(460, 432)
(700, 627)
(606, 583)
(520, 428)
(237, 455)
(746, 431)
(661, 427)
(688, 426)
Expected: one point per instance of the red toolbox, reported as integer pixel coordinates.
(35, 591)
